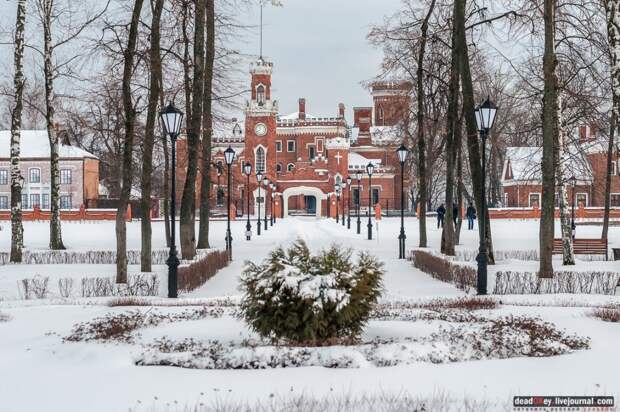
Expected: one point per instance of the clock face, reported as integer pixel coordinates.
(260, 129)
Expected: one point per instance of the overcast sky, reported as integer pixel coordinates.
(319, 51)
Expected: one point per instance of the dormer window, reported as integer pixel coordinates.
(260, 95)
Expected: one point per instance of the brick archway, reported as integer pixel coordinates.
(307, 191)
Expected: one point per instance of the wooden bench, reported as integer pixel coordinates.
(583, 247)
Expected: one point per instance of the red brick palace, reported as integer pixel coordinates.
(305, 155)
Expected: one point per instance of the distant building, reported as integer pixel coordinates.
(586, 160)
(305, 154)
(79, 172)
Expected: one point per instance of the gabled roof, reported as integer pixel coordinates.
(34, 144)
(523, 164)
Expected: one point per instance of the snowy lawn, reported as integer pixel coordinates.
(44, 372)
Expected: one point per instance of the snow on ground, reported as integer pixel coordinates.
(39, 372)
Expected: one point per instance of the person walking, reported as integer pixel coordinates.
(471, 216)
(441, 213)
(455, 213)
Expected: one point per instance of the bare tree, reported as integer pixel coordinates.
(207, 129)
(130, 114)
(17, 227)
(149, 135)
(188, 199)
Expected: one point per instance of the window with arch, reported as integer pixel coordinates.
(260, 94)
(279, 168)
(260, 159)
(290, 167)
(220, 197)
(34, 175)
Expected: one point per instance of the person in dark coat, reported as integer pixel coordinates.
(471, 216)
(455, 213)
(441, 214)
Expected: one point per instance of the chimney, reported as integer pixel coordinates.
(341, 110)
(362, 117)
(584, 133)
(302, 109)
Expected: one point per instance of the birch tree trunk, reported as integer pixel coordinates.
(551, 129)
(610, 153)
(471, 128)
(46, 9)
(568, 257)
(448, 234)
(149, 138)
(207, 129)
(188, 200)
(17, 227)
(128, 108)
(612, 13)
(422, 179)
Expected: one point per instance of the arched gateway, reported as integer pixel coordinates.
(306, 191)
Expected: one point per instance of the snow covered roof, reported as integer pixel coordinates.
(295, 116)
(35, 144)
(357, 161)
(523, 163)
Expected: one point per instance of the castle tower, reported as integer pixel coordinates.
(391, 101)
(260, 120)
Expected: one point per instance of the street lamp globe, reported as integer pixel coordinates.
(259, 176)
(229, 155)
(485, 115)
(370, 169)
(337, 188)
(349, 180)
(219, 169)
(573, 181)
(358, 175)
(265, 181)
(402, 152)
(247, 169)
(171, 118)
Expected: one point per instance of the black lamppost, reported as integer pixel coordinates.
(370, 168)
(259, 179)
(358, 176)
(349, 203)
(229, 156)
(247, 169)
(342, 187)
(266, 184)
(272, 186)
(337, 192)
(485, 117)
(171, 119)
(573, 227)
(402, 152)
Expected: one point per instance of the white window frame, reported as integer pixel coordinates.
(260, 146)
(613, 194)
(279, 143)
(529, 198)
(65, 170)
(290, 167)
(30, 169)
(587, 199)
(288, 142)
(5, 198)
(5, 172)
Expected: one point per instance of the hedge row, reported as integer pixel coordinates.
(92, 257)
(463, 277)
(519, 283)
(195, 274)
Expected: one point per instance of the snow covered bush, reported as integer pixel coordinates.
(36, 287)
(609, 313)
(308, 299)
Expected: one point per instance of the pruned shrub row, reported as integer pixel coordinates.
(609, 313)
(90, 257)
(523, 283)
(143, 284)
(468, 255)
(462, 276)
(198, 272)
